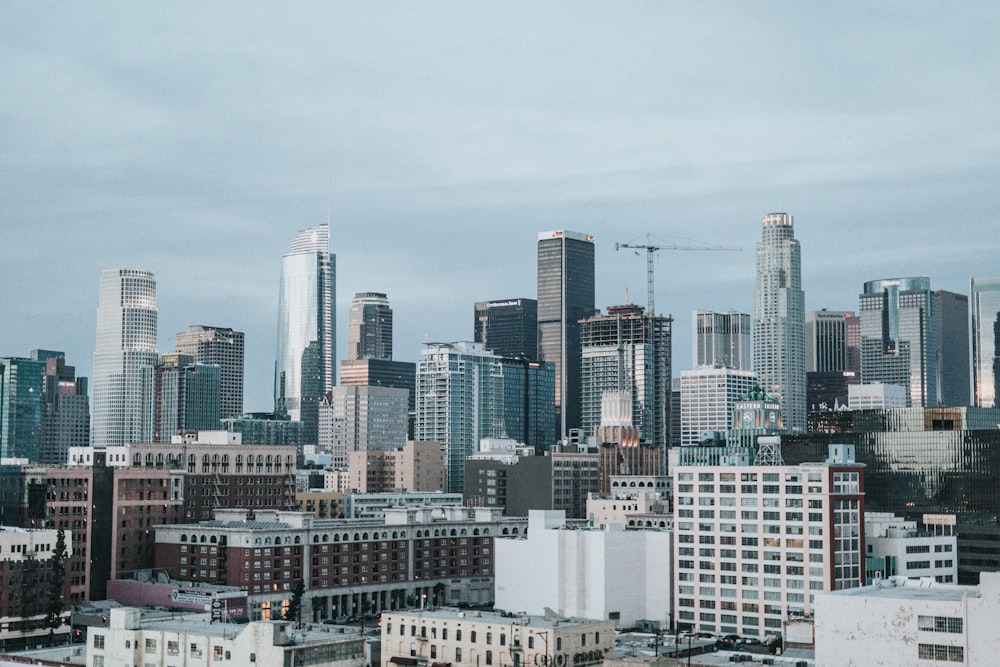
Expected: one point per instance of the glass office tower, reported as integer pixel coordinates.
(565, 296)
(304, 365)
(985, 303)
(369, 327)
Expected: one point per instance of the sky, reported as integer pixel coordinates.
(439, 138)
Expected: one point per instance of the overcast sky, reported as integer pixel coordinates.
(194, 139)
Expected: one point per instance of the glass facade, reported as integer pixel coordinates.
(304, 365)
(123, 406)
(565, 296)
(951, 335)
(779, 319)
(22, 400)
(508, 327)
(986, 340)
(222, 347)
(529, 401)
(369, 327)
(721, 340)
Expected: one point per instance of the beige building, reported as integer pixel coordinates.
(425, 637)
(191, 640)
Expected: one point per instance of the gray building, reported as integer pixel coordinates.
(66, 413)
(565, 296)
(187, 396)
(951, 335)
(362, 419)
(222, 347)
(986, 341)
(369, 327)
(266, 428)
(721, 340)
(779, 319)
(508, 327)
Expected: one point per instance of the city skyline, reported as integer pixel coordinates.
(620, 125)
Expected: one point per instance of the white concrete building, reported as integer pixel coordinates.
(485, 639)
(897, 547)
(374, 505)
(616, 574)
(192, 641)
(903, 621)
(708, 396)
(754, 543)
(635, 502)
(876, 396)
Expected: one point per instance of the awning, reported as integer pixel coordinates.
(399, 660)
(440, 664)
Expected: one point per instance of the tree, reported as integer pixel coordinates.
(56, 604)
(293, 612)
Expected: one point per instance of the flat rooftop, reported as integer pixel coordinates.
(497, 617)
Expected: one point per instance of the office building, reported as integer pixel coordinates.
(754, 543)
(266, 428)
(721, 340)
(951, 334)
(830, 344)
(463, 639)
(900, 621)
(460, 395)
(362, 419)
(187, 396)
(529, 401)
(305, 364)
(123, 408)
(986, 341)
(369, 327)
(876, 396)
(927, 548)
(708, 396)
(508, 327)
(627, 350)
(66, 410)
(383, 373)
(898, 342)
(779, 319)
(565, 296)
(621, 450)
(577, 572)
(222, 347)
(22, 407)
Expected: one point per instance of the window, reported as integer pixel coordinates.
(941, 653)
(99, 641)
(458, 654)
(217, 653)
(489, 657)
(939, 624)
(196, 651)
(173, 647)
(150, 646)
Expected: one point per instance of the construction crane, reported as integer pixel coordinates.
(651, 249)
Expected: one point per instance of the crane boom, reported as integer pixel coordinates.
(652, 249)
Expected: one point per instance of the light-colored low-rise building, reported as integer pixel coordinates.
(615, 574)
(191, 640)
(901, 621)
(458, 638)
(897, 547)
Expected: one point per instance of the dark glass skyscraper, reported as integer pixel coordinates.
(21, 407)
(66, 413)
(369, 327)
(304, 366)
(565, 296)
(950, 312)
(222, 347)
(529, 401)
(986, 341)
(508, 327)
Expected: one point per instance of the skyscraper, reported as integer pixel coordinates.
(123, 407)
(897, 337)
(22, 405)
(187, 396)
(708, 395)
(829, 342)
(951, 333)
(779, 319)
(460, 396)
(529, 401)
(721, 340)
(222, 347)
(66, 415)
(986, 340)
(627, 351)
(369, 327)
(304, 365)
(565, 296)
(508, 327)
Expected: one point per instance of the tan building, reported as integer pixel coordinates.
(423, 466)
(323, 504)
(485, 639)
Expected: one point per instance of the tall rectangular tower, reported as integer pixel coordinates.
(897, 337)
(22, 406)
(222, 347)
(779, 319)
(66, 416)
(304, 366)
(951, 333)
(565, 296)
(986, 340)
(508, 327)
(721, 340)
(369, 327)
(123, 408)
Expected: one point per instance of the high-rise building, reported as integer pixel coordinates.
(627, 350)
(779, 319)
(986, 341)
(459, 402)
(529, 401)
(22, 403)
(304, 368)
(565, 296)
(829, 341)
(222, 347)
(363, 419)
(382, 373)
(721, 340)
(369, 327)
(708, 396)
(123, 408)
(66, 412)
(187, 396)
(897, 337)
(951, 333)
(508, 327)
